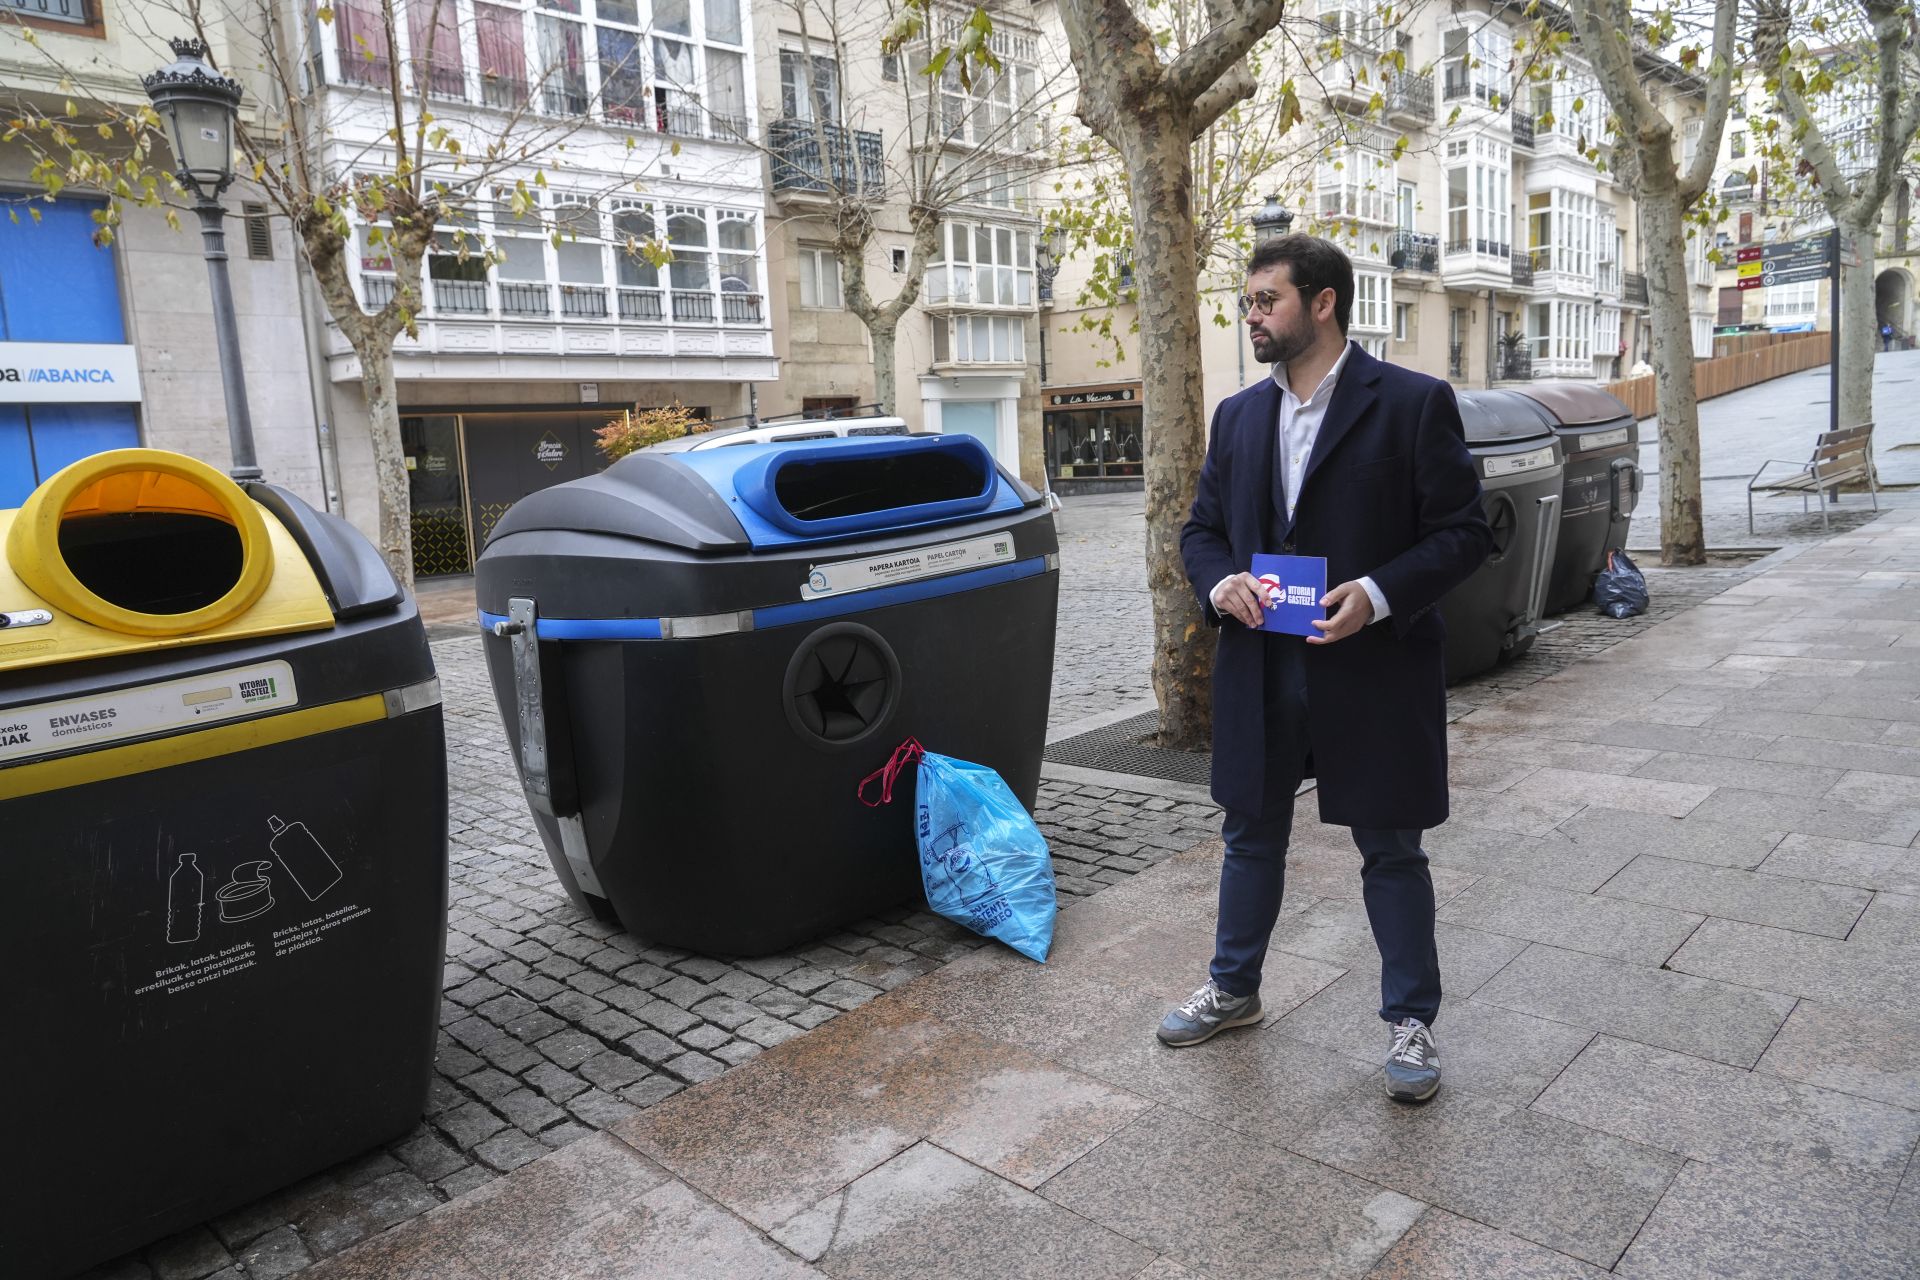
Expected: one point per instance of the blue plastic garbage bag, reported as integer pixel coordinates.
(983, 862)
(1621, 589)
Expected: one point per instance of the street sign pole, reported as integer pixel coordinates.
(1833, 307)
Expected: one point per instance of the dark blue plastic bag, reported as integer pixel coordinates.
(983, 862)
(1620, 589)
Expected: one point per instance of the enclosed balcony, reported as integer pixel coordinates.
(512, 319)
(1476, 264)
(810, 157)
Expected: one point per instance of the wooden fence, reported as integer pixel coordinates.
(1765, 356)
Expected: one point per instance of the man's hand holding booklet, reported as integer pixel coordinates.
(1291, 587)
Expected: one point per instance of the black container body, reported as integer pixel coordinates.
(716, 814)
(1593, 519)
(181, 1039)
(1490, 616)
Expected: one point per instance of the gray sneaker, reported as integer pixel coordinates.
(1206, 1013)
(1413, 1063)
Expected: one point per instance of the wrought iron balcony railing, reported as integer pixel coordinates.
(1456, 359)
(1522, 128)
(1636, 288)
(853, 162)
(1516, 365)
(1414, 251)
(1410, 94)
(1522, 269)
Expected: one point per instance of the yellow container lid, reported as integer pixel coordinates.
(270, 590)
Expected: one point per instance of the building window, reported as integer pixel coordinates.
(819, 278)
(898, 257)
(999, 112)
(1738, 145)
(61, 14)
(1475, 62)
(1479, 180)
(1402, 320)
(979, 340)
(1375, 347)
(982, 264)
(582, 259)
(1355, 192)
(1792, 302)
(1561, 333)
(1372, 301)
(809, 87)
(1560, 232)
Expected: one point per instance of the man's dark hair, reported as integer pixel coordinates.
(1315, 264)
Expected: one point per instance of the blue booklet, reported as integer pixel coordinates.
(1293, 586)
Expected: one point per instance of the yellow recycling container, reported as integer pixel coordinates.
(223, 816)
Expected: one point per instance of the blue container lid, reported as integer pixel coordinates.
(766, 496)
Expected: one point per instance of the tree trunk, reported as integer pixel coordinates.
(1161, 181)
(1859, 326)
(389, 457)
(1682, 537)
(885, 333)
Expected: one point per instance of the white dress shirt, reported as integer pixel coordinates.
(1299, 428)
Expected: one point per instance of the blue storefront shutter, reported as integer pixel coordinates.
(55, 286)
(16, 457)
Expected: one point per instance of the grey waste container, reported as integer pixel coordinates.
(1600, 440)
(698, 655)
(1495, 614)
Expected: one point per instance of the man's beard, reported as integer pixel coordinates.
(1280, 348)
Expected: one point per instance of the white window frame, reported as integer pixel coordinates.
(816, 263)
(1372, 303)
(1003, 281)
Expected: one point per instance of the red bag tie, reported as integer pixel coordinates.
(903, 755)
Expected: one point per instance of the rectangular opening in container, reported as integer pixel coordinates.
(828, 488)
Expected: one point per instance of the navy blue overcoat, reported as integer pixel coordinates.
(1390, 492)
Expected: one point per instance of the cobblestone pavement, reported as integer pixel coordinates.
(556, 1026)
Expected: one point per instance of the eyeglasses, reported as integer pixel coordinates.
(1261, 303)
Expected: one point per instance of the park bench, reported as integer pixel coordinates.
(1838, 457)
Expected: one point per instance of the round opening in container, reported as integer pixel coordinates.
(142, 542)
(151, 543)
(841, 684)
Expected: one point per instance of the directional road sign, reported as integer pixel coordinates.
(1797, 261)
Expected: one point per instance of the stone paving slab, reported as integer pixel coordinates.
(1708, 1019)
(1623, 930)
(927, 1211)
(1557, 1184)
(1801, 964)
(1724, 1115)
(1732, 894)
(1445, 1246)
(1867, 1054)
(1753, 1223)
(1266, 1212)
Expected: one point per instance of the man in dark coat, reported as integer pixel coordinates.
(1343, 456)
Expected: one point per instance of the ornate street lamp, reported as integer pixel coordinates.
(1270, 219)
(198, 105)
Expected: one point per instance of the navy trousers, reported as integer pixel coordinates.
(1394, 881)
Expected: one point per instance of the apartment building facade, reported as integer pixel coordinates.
(1495, 247)
(138, 307)
(637, 122)
(849, 124)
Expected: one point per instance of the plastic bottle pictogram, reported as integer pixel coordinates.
(308, 864)
(186, 899)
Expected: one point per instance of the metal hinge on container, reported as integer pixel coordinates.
(545, 763)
